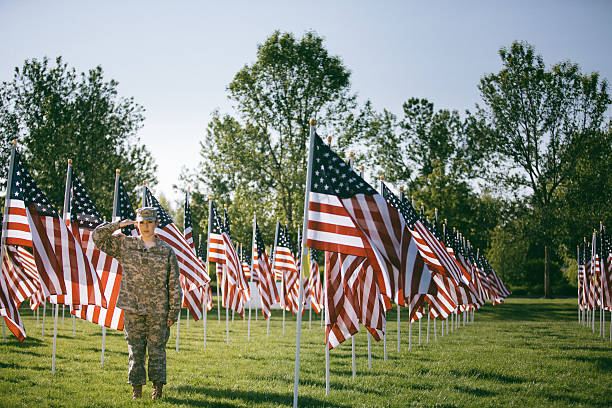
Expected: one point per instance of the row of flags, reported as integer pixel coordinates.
(595, 273)
(379, 250)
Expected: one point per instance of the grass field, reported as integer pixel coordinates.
(524, 353)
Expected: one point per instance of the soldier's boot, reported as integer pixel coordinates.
(136, 391)
(157, 391)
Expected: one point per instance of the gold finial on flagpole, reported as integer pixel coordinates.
(313, 122)
(352, 154)
(361, 167)
(69, 161)
(117, 171)
(382, 176)
(401, 188)
(329, 140)
(15, 142)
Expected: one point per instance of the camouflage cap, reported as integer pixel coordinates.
(146, 213)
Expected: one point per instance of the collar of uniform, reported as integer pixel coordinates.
(158, 242)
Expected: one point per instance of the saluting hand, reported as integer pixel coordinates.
(125, 223)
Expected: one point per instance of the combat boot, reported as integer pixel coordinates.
(157, 391)
(136, 391)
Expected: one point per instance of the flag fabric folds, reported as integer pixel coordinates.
(84, 218)
(66, 272)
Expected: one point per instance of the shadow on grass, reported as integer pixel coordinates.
(565, 399)
(22, 367)
(210, 397)
(484, 375)
(603, 364)
(527, 311)
(475, 391)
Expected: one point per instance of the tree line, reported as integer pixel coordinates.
(524, 176)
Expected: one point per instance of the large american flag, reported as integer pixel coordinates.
(66, 272)
(284, 265)
(190, 267)
(267, 287)
(84, 218)
(346, 215)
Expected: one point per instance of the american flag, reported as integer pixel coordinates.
(235, 288)
(346, 307)
(21, 275)
(216, 251)
(66, 272)
(190, 266)
(193, 295)
(125, 211)
(84, 218)
(284, 265)
(346, 215)
(8, 309)
(267, 287)
(341, 320)
(246, 262)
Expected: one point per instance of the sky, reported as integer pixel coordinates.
(177, 58)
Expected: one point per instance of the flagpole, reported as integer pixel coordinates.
(351, 155)
(204, 303)
(65, 212)
(7, 198)
(274, 276)
(380, 187)
(114, 218)
(252, 269)
(309, 299)
(225, 298)
(303, 255)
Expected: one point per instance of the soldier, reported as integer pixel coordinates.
(150, 295)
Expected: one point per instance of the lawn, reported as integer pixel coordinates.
(526, 352)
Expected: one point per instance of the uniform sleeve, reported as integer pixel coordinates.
(105, 240)
(175, 294)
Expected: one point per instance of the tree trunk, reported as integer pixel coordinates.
(546, 274)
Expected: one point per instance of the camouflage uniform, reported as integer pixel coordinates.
(150, 295)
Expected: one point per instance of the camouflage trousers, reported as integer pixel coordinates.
(142, 331)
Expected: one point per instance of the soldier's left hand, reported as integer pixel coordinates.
(169, 322)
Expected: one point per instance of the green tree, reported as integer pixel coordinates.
(261, 154)
(539, 123)
(56, 114)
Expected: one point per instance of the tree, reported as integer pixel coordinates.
(56, 114)
(539, 123)
(261, 154)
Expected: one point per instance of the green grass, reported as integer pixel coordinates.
(526, 352)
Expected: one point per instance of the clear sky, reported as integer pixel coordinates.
(176, 58)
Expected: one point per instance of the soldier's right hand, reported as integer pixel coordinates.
(125, 223)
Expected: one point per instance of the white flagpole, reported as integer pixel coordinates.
(3, 332)
(252, 270)
(420, 330)
(178, 327)
(7, 198)
(282, 302)
(385, 333)
(65, 213)
(224, 269)
(326, 369)
(42, 336)
(351, 155)
(409, 324)
(205, 313)
(303, 255)
(428, 318)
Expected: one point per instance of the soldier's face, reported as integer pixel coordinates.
(147, 228)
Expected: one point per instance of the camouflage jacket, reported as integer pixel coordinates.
(150, 276)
